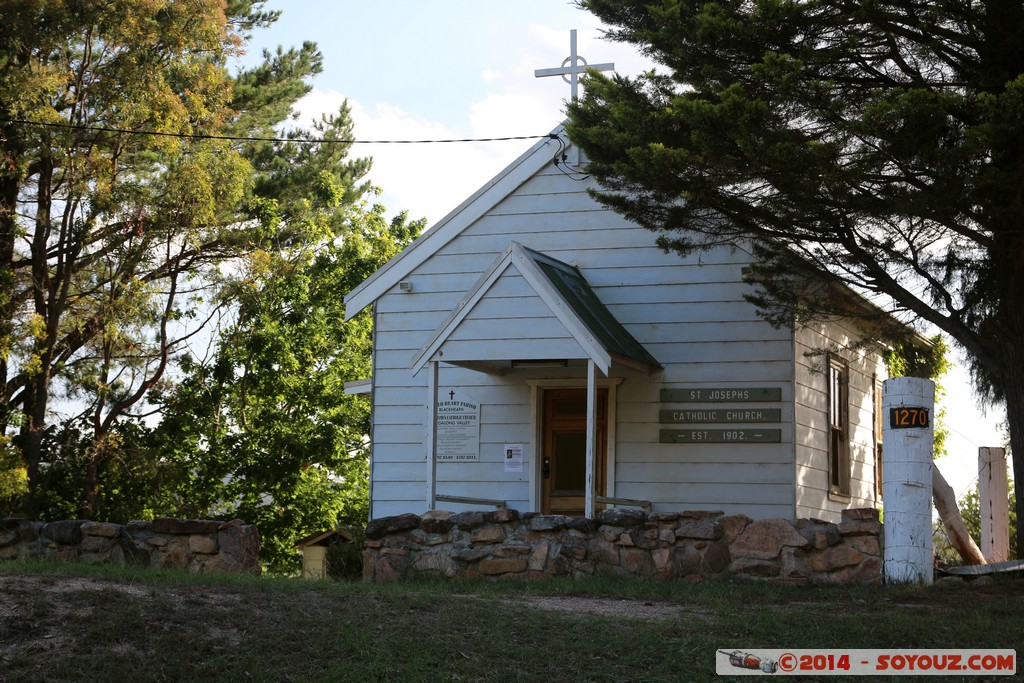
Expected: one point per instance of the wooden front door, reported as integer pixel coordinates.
(564, 458)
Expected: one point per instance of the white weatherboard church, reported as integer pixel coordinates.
(536, 350)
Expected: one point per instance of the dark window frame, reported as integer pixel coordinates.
(837, 383)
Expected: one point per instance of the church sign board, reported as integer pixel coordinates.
(721, 395)
(711, 415)
(720, 435)
(458, 428)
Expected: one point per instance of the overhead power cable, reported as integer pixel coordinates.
(243, 138)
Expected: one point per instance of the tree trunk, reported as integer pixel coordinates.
(1015, 420)
(949, 513)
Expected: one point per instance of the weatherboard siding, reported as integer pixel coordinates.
(812, 419)
(689, 313)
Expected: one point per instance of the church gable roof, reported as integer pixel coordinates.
(567, 295)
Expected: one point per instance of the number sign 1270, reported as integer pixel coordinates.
(908, 417)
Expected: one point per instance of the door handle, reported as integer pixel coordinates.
(545, 469)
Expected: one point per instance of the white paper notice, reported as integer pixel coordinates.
(513, 457)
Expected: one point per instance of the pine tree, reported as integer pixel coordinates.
(881, 143)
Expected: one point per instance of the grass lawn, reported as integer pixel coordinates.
(80, 623)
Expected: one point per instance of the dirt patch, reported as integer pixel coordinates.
(607, 607)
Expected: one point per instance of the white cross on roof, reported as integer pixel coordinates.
(572, 67)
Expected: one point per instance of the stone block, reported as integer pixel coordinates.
(833, 558)
(754, 567)
(101, 529)
(488, 534)
(202, 544)
(68, 532)
(95, 544)
(512, 550)
(437, 521)
(686, 559)
(470, 519)
(240, 549)
(624, 517)
(602, 551)
(662, 558)
(503, 516)
(821, 534)
(539, 556)
(638, 562)
(369, 561)
(175, 558)
(493, 567)
(384, 571)
(706, 527)
(573, 548)
(716, 558)
(733, 526)
(559, 566)
(465, 553)
(793, 566)
(549, 522)
(13, 531)
(663, 517)
(437, 563)
(869, 545)
(765, 538)
(421, 537)
(378, 528)
(583, 525)
(858, 527)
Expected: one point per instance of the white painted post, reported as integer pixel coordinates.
(588, 499)
(994, 504)
(431, 477)
(907, 478)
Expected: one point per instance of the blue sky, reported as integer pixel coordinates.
(416, 70)
(439, 70)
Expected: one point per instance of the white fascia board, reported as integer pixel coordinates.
(449, 227)
(545, 290)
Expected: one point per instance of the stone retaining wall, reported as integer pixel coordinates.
(692, 546)
(195, 545)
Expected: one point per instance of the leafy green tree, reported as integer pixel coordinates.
(880, 142)
(120, 205)
(264, 429)
(101, 227)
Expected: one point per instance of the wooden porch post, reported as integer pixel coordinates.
(591, 433)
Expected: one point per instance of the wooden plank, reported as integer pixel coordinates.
(444, 498)
(644, 505)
